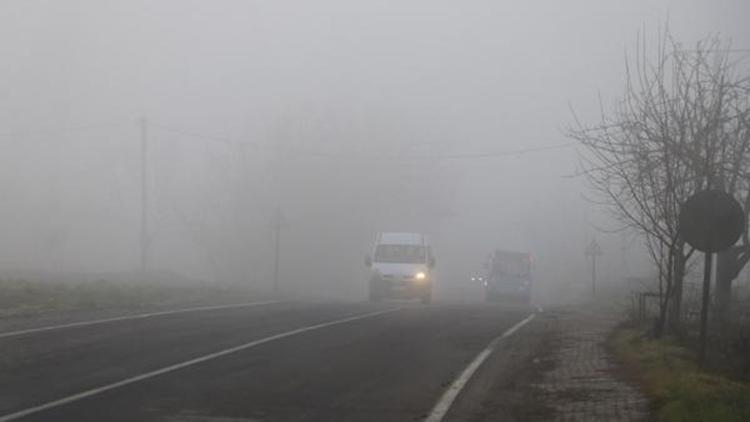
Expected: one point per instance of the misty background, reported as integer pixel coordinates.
(351, 117)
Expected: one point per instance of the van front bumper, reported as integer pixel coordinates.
(400, 287)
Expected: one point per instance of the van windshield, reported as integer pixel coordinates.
(401, 254)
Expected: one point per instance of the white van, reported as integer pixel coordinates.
(401, 267)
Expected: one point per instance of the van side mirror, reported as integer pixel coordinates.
(431, 262)
(368, 261)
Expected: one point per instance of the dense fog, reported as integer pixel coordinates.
(347, 118)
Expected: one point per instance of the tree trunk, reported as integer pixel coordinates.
(665, 295)
(675, 314)
(729, 263)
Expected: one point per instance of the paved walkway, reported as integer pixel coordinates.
(583, 384)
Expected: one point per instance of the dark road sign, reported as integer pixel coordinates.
(711, 221)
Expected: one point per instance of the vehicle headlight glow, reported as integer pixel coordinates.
(420, 276)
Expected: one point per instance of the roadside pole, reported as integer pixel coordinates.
(278, 222)
(143, 123)
(593, 275)
(707, 267)
(593, 250)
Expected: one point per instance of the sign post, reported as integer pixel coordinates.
(593, 250)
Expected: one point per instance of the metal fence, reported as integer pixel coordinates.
(729, 339)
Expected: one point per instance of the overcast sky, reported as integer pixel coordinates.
(436, 77)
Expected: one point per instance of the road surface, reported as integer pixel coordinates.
(280, 361)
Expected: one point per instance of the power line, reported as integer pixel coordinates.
(323, 154)
(60, 130)
(464, 156)
(226, 140)
(522, 151)
(190, 134)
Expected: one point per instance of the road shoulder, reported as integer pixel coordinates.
(557, 369)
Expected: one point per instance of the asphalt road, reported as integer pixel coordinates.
(287, 361)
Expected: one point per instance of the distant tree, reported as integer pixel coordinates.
(682, 126)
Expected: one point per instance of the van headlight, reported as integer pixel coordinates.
(420, 276)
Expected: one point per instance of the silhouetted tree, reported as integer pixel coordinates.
(682, 126)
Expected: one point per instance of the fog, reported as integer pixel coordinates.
(349, 117)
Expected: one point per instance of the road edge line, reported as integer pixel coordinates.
(443, 405)
(25, 331)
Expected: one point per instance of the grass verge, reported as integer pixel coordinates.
(19, 297)
(679, 389)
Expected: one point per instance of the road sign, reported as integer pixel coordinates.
(711, 221)
(593, 249)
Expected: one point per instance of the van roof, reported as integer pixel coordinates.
(401, 238)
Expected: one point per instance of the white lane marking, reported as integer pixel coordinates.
(136, 316)
(449, 396)
(185, 364)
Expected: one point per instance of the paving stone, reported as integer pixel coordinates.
(583, 384)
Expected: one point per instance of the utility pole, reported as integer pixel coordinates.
(143, 123)
(278, 223)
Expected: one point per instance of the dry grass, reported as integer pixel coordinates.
(20, 297)
(680, 390)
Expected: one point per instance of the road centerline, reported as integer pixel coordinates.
(187, 363)
(445, 402)
(135, 316)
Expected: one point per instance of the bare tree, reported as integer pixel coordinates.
(680, 127)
